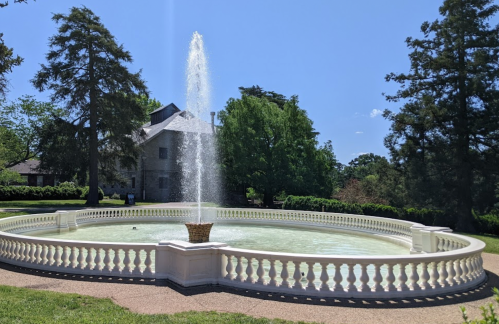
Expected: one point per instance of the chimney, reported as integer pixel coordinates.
(212, 122)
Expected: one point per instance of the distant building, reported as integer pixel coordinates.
(157, 175)
(32, 176)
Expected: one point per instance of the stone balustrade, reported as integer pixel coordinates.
(440, 261)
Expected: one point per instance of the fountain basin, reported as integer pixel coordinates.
(441, 263)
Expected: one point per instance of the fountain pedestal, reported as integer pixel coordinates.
(199, 232)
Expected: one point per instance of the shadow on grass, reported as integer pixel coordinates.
(482, 292)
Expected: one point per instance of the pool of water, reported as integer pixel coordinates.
(261, 237)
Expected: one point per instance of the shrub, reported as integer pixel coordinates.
(115, 196)
(488, 314)
(427, 217)
(84, 193)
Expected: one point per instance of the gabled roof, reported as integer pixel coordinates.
(27, 167)
(161, 108)
(181, 121)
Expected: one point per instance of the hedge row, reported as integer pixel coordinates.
(45, 193)
(424, 216)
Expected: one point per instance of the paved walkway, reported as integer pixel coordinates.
(162, 297)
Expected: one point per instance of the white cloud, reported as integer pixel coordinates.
(375, 113)
(359, 132)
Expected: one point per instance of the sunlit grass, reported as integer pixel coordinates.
(491, 241)
(21, 305)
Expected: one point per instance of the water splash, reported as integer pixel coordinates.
(198, 151)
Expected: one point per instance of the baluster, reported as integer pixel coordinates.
(16, 250)
(239, 269)
(148, 263)
(297, 276)
(64, 257)
(98, 260)
(229, 268)
(402, 278)
(21, 252)
(116, 261)
(338, 278)
(434, 276)
(27, 251)
(452, 273)
(2, 246)
(469, 273)
(377, 279)
(414, 277)
(49, 256)
(249, 271)
(89, 259)
(445, 246)
(351, 279)
(126, 262)
(459, 272)
(440, 244)
(43, 253)
(57, 256)
(272, 274)
(390, 279)
(324, 278)
(107, 262)
(81, 258)
(364, 279)
(136, 262)
(472, 267)
(260, 272)
(464, 274)
(72, 257)
(311, 276)
(285, 275)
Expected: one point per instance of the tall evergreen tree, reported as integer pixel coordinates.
(452, 112)
(87, 73)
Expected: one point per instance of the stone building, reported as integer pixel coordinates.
(157, 177)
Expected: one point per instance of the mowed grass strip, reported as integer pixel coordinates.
(491, 242)
(21, 305)
(58, 204)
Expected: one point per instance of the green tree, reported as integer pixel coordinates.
(452, 98)
(86, 71)
(272, 149)
(21, 123)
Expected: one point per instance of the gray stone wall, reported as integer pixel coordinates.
(162, 176)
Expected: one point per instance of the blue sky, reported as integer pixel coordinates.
(332, 54)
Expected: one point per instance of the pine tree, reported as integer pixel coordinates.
(87, 73)
(451, 114)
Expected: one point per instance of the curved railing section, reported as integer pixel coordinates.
(441, 262)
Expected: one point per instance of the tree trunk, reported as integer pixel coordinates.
(93, 192)
(268, 199)
(463, 164)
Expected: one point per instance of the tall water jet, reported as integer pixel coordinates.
(198, 151)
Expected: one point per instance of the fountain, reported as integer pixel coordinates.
(198, 153)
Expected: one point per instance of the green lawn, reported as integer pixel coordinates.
(491, 241)
(56, 204)
(20, 305)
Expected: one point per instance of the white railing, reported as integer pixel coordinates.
(443, 262)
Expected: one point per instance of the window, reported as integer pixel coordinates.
(24, 180)
(39, 181)
(163, 182)
(163, 153)
(133, 182)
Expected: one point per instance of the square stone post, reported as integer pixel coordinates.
(189, 264)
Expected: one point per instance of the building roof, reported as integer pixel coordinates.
(27, 167)
(181, 121)
(163, 107)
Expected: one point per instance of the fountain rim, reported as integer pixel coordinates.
(475, 245)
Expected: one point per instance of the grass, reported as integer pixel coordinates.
(56, 204)
(21, 305)
(8, 214)
(491, 242)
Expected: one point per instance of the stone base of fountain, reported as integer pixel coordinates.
(199, 232)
